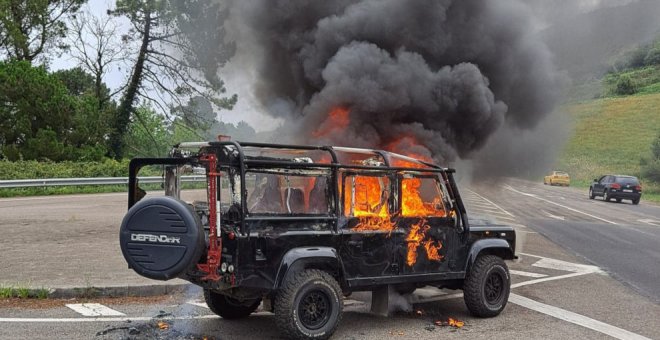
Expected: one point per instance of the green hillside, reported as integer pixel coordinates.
(612, 135)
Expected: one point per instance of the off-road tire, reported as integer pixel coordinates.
(300, 299)
(635, 202)
(229, 308)
(591, 194)
(487, 286)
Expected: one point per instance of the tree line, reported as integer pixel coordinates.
(169, 50)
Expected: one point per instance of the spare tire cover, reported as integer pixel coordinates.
(161, 238)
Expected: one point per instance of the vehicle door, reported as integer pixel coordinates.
(426, 233)
(367, 248)
(599, 186)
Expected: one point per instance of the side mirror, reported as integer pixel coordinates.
(595, 180)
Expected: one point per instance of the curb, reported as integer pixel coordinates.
(117, 291)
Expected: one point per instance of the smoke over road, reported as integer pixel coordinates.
(437, 76)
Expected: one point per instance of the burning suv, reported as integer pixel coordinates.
(297, 228)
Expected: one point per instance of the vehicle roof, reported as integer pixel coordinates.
(336, 155)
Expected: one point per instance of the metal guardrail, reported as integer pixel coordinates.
(52, 182)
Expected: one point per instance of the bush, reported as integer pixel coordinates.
(34, 169)
(625, 86)
(652, 57)
(651, 171)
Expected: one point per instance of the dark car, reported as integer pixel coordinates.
(618, 187)
(297, 228)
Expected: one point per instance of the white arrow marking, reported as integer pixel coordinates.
(565, 266)
(527, 274)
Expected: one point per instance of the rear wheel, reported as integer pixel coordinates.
(309, 305)
(635, 201)
(230, 308)
(487, 286)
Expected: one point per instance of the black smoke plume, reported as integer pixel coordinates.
(446, 73)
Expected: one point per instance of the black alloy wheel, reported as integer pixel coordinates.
(314, 309)
(494, 287)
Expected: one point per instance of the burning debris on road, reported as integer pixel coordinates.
(149, 330)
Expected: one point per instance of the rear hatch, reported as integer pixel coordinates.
(629, 184)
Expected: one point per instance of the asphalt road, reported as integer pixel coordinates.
(621, 238)
(557, 292)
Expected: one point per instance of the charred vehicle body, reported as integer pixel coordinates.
(299, 227)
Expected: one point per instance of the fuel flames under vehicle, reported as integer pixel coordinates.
(298, 227)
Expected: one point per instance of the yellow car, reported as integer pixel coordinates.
(557, 178)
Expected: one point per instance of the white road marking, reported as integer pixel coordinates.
(556, 217)
(549, 263)
(93, 309)
(198, 303)
(650, 222)
(527, 274)
(508, 187)
(487, 200)
(436, 296)
(546, 279)
(574, 318)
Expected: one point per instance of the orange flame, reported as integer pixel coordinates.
(370, 197)
(412, 203)
(403, 145)
(371, 223)
(433, 250)
(415, 237)
(456, 323)
(337, 120)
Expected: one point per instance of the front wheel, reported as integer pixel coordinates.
(229, 308)
(309, 305)
(591, 193)
(606, 196)
(487, 286)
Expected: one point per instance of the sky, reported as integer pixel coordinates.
(240, 75)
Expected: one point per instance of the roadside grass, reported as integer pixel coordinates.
(63, 190)
(611, 136)
(85, 189)
(8, 292)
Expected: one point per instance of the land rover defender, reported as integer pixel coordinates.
(298, 228)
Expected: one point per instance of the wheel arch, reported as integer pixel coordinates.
(322, 258)
(497, 247)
